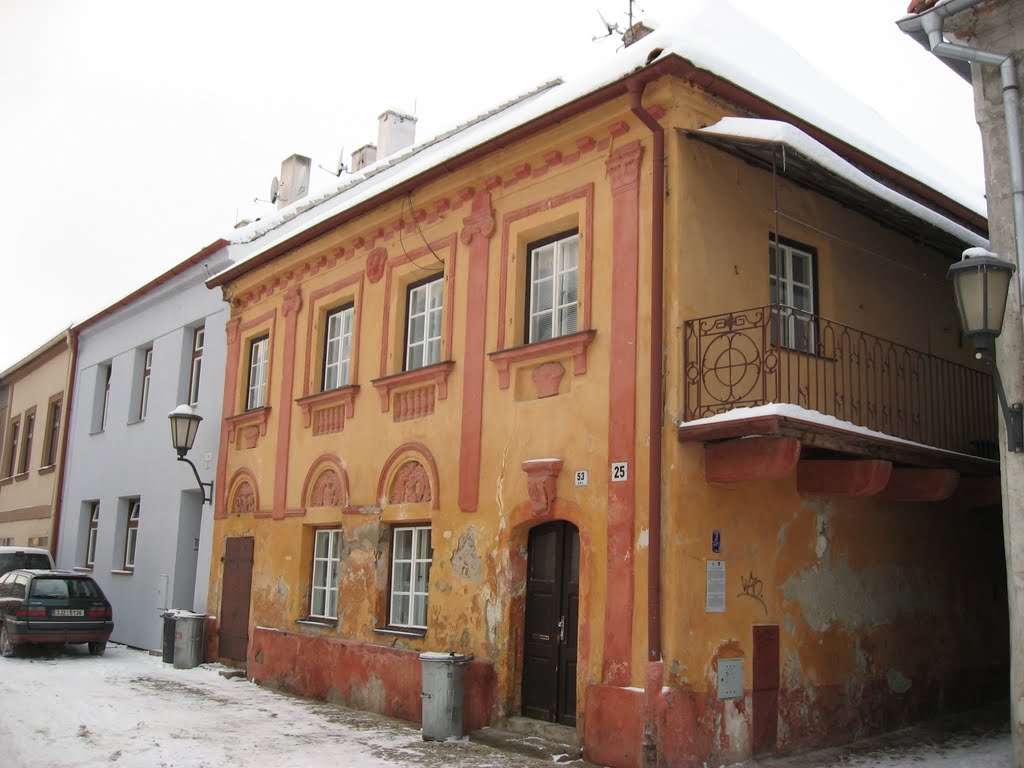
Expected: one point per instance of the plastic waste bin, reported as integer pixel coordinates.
(442, 695)
(168, 646)
(188, 639)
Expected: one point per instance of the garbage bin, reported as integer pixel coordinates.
(442, 695)
(168, 647)
(188, 639)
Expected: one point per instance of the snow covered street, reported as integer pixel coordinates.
(66, 709)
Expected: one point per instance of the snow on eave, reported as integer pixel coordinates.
(777, 132)
(795, 412)
(782, 80)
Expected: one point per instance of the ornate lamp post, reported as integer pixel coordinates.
(184, 426)
(981, 282)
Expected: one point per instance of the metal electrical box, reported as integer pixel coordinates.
(730, 678)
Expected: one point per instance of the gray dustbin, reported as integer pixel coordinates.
(188, 639)
(442, 695)
(168, 645)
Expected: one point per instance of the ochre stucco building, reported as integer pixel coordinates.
(438, 431)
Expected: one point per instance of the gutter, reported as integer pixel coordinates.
(58, 504)
(930, 23)
(653, 676)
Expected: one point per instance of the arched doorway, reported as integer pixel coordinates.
(552, 617)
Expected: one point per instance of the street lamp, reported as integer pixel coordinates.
(184, 426)
(981, 282)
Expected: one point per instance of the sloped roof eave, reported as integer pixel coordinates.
(670, 64)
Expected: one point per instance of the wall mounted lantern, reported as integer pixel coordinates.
(981, 283)
(184, 426)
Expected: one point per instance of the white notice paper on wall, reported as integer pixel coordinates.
(716, 587)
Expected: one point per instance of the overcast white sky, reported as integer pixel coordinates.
(133, 133)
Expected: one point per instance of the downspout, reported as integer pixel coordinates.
(653, 677)
(63, 448)
(932, 24)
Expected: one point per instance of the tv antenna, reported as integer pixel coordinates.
(341, 167)
(613, 28)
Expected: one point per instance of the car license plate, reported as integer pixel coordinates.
(67, 612)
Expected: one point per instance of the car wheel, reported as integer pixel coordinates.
(97, 649)
(6, 646)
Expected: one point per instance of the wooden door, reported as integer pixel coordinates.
(234, 608)
(552, 618)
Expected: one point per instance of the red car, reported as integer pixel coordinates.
(53, 607)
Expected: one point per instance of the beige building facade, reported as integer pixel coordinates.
(32, 414)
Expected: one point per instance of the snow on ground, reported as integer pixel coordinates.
(128, 709)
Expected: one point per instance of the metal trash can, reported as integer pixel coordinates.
(168, 645)
(188, 639)
(442, 695)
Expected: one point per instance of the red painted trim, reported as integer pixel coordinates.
(240, 474)
(392, 463)
(342, 396)
(574, 345)
(477, 232)
(624, 172)
(921, 484)
(586, 192)
(257, 417)
(867, 477)
(311, 306)
(325, 460)
(750, 459)
(291, 305)
(437, 373)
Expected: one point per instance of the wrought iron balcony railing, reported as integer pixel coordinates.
(775, 354)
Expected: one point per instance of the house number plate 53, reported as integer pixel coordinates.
(582, 477)
(620, 471)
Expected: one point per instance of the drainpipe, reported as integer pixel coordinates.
(653, 677)
(931, 22)
(69, 394)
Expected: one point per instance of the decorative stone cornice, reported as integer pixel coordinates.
(541, 483)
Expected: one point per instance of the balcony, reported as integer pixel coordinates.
(773, 354)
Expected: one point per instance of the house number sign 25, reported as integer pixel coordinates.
(620, 471)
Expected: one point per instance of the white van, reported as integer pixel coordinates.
(12, 558)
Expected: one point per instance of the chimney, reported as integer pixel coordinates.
(634, 33)
(362, 157)
(395, 132)
(294, 180)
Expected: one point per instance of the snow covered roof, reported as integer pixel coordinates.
(712, 43)
(755, 140)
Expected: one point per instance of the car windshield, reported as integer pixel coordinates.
(58, 588)
(13, 561)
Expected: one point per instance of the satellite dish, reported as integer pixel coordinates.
(341, 162)
(274, 186)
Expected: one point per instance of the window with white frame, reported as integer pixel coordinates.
(792, 270)
(131, 539)
(423, 330)
(257, 392)
(7, 541)
(147, 371)
(338, 348)
(93, 510)
(410, 576)
(553, 287)
(323, 601)
(198, 342)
